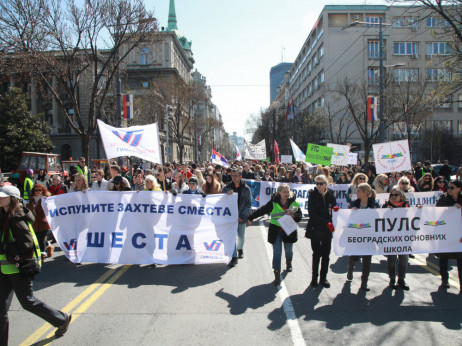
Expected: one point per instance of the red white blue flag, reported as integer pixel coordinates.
(127, 102)
(289, 111)
(372, 108)
(219, 159)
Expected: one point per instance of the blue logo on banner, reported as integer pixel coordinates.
(255, 190)
(214, 246)
(72, 245)
(130, 137)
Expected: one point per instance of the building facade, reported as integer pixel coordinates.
(277, 77)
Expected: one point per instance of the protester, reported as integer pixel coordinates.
(28, 185)
(342, 178)
(445, 170)
(440, 184)
(80, 184)
(451, 198)
(287, 177)
(42, 178)
(218, 178)
(380, 184)
(211, 186)
(18, 244)
(412, 181)
(405, 185)
(267, 176)
(247, 173)
(426, 183)
(366, 200)
(99, 184)
(150, 183)
(82, 169)
(397, 199)
(164, 183)
(359, 178)
(321, 202)
(118, 184)
(428, 169)
(179, 186)
(200, 177)
(116, 171)
(194, 188)
(139, 182)
(244, 202)
(58, 188)
(396, 177)
(283, 202)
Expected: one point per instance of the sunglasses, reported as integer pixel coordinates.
(361, 178)
(403, 183)
(37, 190)
(394, 195)
(320, 183)
(451, 187)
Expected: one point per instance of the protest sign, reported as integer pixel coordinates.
(255, 151)
(339, 154)
(318, 154)
(392, 156)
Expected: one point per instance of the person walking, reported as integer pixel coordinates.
(100, 184)
(82, 169)
(321, 202)
(366, 200)
(283, 202)
(58, 188)
(244, 203)
(28, 185)
(19, 243)
(451, 198)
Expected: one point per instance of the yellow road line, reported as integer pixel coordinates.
(77, 300)
(434, 269)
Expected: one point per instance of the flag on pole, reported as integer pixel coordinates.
(198, 140)
(219, 159)
(276, 153)
(127, 102)
(372, 107)
(298, 153)
(238, 154)
(289, 112)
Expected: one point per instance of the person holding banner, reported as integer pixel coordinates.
(80, 183)
(321, 202)
(449, 199)
(150, 183)
(359, 178)
(397, 199)
(283, 202)
(366, 200)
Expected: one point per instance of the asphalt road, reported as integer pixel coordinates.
(216, 305)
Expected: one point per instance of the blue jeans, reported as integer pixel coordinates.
(240, 237)
(277, 251)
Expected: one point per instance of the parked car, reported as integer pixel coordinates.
(454, 169)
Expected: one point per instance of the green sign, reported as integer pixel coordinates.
(319, 154)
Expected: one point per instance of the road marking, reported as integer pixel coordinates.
(110, 275)
(292, 321)
(434, 269)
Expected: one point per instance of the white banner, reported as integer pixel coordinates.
(255, 151)
(352, 158)
(339, 154)
(298, 153)
(414, 198)
(286, 158)
(392, 156)
(397, 232)
(139, 141)
(144, 227)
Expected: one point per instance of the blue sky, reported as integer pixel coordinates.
(235, 43)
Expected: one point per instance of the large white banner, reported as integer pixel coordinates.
(139, 141)
(144, 227)
(339, 154)
(414, 198)
(397, 231)
(255, 151)
(392, 156)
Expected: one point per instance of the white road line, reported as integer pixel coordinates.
(292, 321)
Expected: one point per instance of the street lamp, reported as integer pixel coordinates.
(168, 109)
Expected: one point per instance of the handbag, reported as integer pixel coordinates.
(30, 266)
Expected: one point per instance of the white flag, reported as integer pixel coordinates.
(298, 153)
(238, 154)
(140, 141)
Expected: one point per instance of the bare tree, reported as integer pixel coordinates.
(72, 49)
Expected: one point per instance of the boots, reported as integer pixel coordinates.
(240, 253)
(289, 265)
(277, 277)
(350, 274)
(314, 281)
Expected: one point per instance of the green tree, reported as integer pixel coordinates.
(20, 130)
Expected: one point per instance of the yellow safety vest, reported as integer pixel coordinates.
(84, 172)
(28, 182)
(11, 268)
(278, 212)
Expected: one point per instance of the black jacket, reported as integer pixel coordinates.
(371, 203)
(447, 201)
(320, 210)
(23, 244)
(273, 229)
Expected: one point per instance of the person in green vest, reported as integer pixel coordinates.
(82, 169)
(28, 185)
(17, 243)
(282, 203)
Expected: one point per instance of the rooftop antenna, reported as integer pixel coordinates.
(283, 53)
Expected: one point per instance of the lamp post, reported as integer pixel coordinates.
(168, 109)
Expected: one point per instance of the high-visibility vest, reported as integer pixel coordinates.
(84, 172)
(28, 183)
(278, 212)
(11, 268)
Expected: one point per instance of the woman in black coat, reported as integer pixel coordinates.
(283, 202)
(319, 229)
(452, 197)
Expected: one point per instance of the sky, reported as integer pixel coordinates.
(235, 43)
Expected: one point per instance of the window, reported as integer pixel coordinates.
(321, 52)
(144, 56)
(373, 75)
(315, 84)
(459, 127)
(460, 101)
(401, 22)
(438, 48)
(145, 84)
(405, 48)
(309, 67)
(315, 60)
(437, 74)
(444, 101)
(321, 77)
(432, 22)
(406, 75)
(373, 49)
(372, 20)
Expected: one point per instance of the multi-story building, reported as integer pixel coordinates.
(277, 77)
(337, 49)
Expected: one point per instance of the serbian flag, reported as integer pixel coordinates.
(198, 140)
(289, 112)
(372, 108)
(238, 154)
(219, 159)
(127, 103)
(276, 153)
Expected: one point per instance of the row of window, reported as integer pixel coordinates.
(410, 75)
(445, 125)
(411, 22)
(307, 55)
(314, 61)
(409, 48)
(310, 88)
